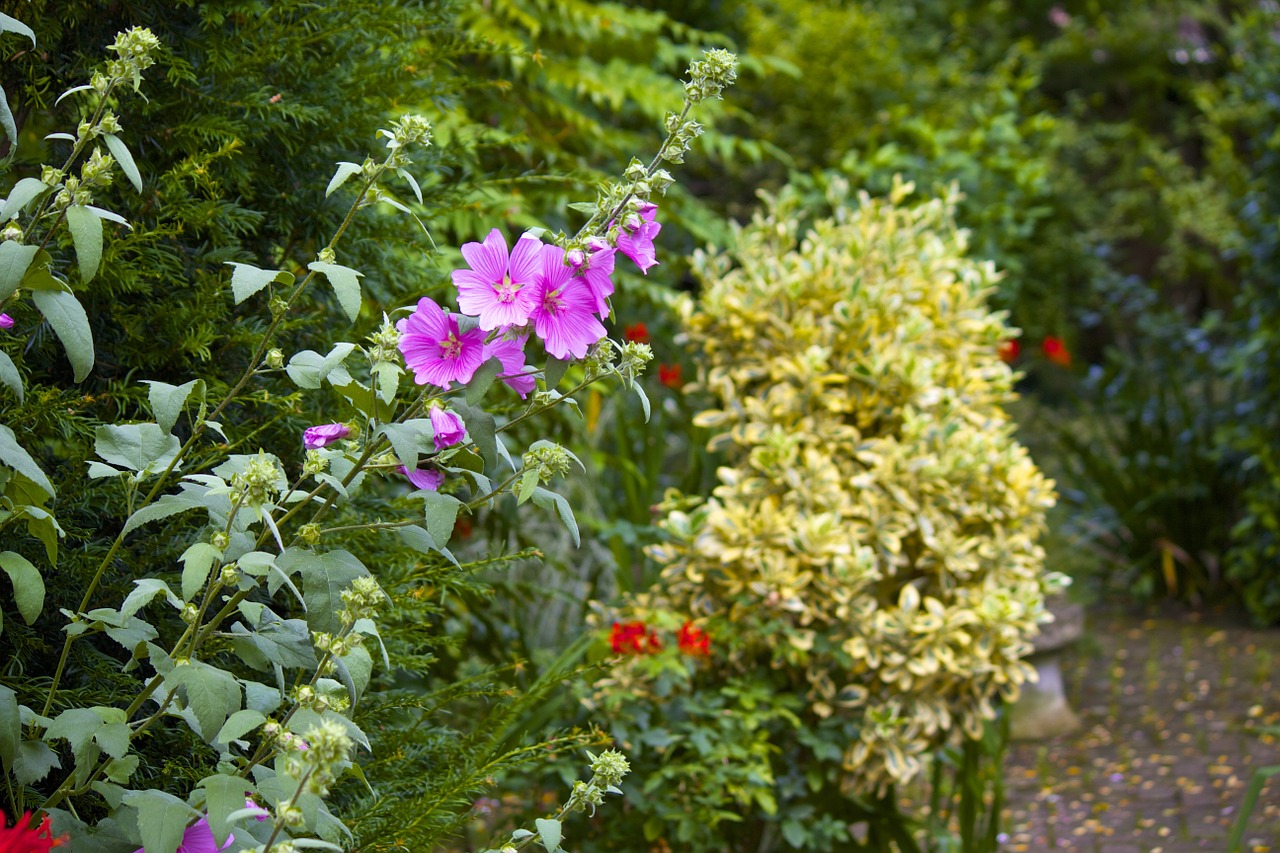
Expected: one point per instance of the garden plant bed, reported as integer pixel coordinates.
(1170, 710)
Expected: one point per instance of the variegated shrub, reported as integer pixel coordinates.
(872, 543)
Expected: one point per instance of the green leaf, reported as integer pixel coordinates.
(345, 170)
(549, 833)
(13, 25)
(528, 482)
(114, 739)
(196, 563)
(483, 432)
(7, 124)
(167, 400)
(10, 728)
(167, 505)
(225, 794)
(43, 526)
(308, 369)
(481, 380)
(212, 694)
(71, 324)
(554, 372)
(86, 236)
(287, 643)
(137, 447)
(247, 280)
(77, 726)
(15, 259)
(131, 634)
(346, 285)
(9, 375)
(121, 152)
(33, 762)
(144, 591)
(23, 193)
(240, 724)
(28, 586)
(548, 499)
(120, 769)
(410, 439)
(12, 454)
(441, 514)
(324, 577)
(162, 819)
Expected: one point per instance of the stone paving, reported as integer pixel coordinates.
(1174, 712)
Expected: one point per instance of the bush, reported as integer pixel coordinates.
(867, 570)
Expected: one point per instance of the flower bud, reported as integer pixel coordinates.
(230, 575)
(220, 541)
(12, 231)
(309, 534)
(274, 359)
(190, 613)
(609, 767)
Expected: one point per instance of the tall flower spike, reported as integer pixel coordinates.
(435, 350)
(498, 289)
(565, 317)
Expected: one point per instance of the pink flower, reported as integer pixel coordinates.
(435, 350)
(6, 322)
(316, 437)
(199, 839)
(448, 428)
(501, 291)
(595, 271)
(424, 478)
(260, 814)
(635, 240)
(565, 318)
(510, 352)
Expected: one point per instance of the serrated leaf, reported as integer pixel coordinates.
(167, 400)
(441, 513)
(481, 380)
(549, 833)
(197, 561)
(346, 285)
(22, 194)
(240, 724)
(121, 152)
(308, 368)
(33, 762)
(482, 430)
(15, 260)
(345, 170)
(9, 375)
(162, 819)
(224, 796)
(137, 447)
(247, 280)
(71, 325)
(212, 694)
(146, 589)
(324, 577)
(13, 455)
(13, 25)
(28, 586)
(86, 236)
(114, 739)
(10, 728)
(410, 439)
(166, 506)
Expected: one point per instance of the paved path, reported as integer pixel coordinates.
(1171, 711)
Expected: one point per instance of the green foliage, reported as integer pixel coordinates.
(871, 546)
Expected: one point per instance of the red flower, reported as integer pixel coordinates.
(23, 838)
(669, 375)
(1009, 351)
(630, 638)
(1056, 351)
(693, 641)
(637, 333)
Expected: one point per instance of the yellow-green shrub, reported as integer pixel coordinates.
(871, 546)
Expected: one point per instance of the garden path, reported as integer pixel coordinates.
(1172, 709)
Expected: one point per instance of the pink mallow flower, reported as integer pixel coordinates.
(435, 350)
(635, 240)
(259, 813)
(565, 318)
(313, 438)
(6, 322)
(448, 427)
(499, 290)
(424, 478)
(199, 839)
(510, 353)
(595, 270)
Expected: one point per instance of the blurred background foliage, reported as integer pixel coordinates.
(1121, 164)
